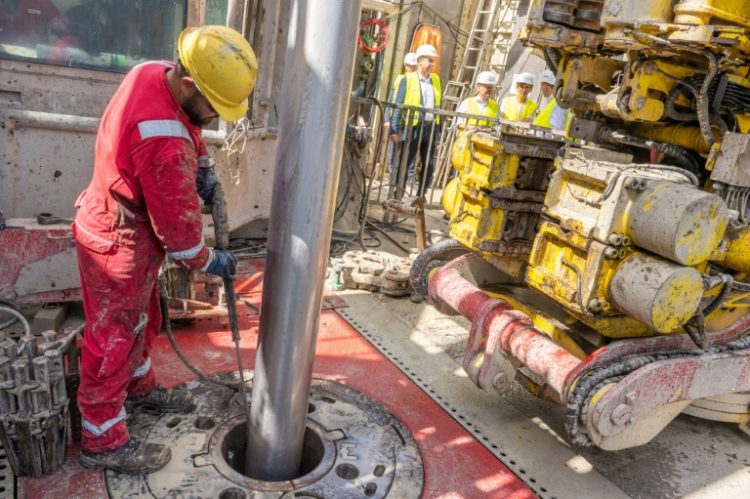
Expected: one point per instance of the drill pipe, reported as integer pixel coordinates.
(316, 88)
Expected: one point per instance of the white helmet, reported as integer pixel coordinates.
(526, 78)
(426, 51)
(548, 76)
(410, 59)
(487, 78)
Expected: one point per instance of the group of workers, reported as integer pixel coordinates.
(415, 133)
(548, 113)
(518, 107)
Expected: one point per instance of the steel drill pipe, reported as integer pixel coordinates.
(503, 325)
(317, 82)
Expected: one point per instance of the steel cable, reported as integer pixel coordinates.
(11, 309)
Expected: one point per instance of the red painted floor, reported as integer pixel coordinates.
(456, 465)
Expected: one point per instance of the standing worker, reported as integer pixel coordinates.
(410, 65)
(519, 107)
(481, 103)
(140, 205)
(550, 114)
(421, 88)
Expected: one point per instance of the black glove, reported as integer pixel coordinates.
(205, 184)
(222, 263)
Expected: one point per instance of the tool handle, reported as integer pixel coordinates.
(232, 308)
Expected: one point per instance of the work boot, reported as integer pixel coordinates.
(161, 401)
(133, 457)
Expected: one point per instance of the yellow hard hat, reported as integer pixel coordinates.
(223, 65)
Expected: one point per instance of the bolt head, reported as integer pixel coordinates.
(631, 397)
(596, 305)
(500, 382)
(621, 414)
(611, 253)
(615, 239)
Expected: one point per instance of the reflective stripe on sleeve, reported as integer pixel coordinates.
(188, 253)
(104, 427)
(141, 371)
(162, 128)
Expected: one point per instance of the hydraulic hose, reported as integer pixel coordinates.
(701, 99)
(689, 166)
(168, 329)
(432, 257)
(17, 317)
(678, 154)
(9, 322)
(221, 232)
(727, 282)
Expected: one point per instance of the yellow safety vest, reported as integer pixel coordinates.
(392, 98)
(515, 112)
(544, 116)
(396, 83)
(568, 120)
(472, 107)
(413, 95)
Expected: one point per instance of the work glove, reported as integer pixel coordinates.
(205, 184)
(221, 263)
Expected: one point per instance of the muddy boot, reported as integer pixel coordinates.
(133, 457)
(161, 401)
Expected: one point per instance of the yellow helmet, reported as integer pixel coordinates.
(223, 65)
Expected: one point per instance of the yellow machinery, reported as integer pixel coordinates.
(627, 250)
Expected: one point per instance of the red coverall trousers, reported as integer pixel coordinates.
(120, 291)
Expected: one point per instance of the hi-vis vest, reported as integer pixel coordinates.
(517, 112)
(472, 107)
(413, 96)
(397, 82)
(545, 115)
(568, 121)
(392, 98)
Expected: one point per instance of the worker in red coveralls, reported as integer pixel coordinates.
(142, 203)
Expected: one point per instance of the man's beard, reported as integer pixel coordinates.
(190, 107)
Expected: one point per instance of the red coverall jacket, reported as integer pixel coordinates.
(141, 203)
